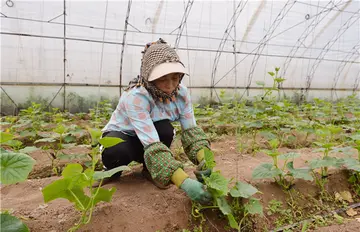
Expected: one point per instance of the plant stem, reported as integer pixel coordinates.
(241, 221)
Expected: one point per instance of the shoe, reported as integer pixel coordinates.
(145, 172)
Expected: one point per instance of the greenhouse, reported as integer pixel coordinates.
(262, 112)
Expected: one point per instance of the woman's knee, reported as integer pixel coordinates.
(165, 131)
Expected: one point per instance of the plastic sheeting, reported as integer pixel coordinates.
(316, 42)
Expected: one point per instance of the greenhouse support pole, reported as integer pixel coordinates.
(64, 84)
(123, 43)
(234, 46)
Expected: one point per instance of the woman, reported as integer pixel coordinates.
(143, 119)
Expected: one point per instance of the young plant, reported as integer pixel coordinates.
(326, 145)
(75, 181)
(231, 208)
(285, 174)
(14, 168)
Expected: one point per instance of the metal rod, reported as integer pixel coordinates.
(190, 49)
(64, 106)
(190, 87)
(123, 43)
(234, 46)
(9, 97)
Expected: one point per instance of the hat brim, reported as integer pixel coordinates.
(166, 68)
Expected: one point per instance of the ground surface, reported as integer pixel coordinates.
(138, 205)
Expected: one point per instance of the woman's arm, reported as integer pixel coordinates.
(193, 137)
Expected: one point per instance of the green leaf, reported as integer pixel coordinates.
(60, 129)
(9, 223)
(274, 143)
(256, 124)
(13, 143)
(95, 135)
(232, 221)
(2, 150)
(103, 194)
(260, 83)
(325, 162)
(28, 133)
(47, 140)
(218, 182)
(271, 74)
(101, 175)
(69, 139)
(209, 158)
(110, 141)
(223, 205)
(242, 189)
(28, 149)
(352, 164)
(254, 206)
(279, 80)
(299, 173)
(268, 135)
(272, 153)
(15, 167)
(4, 137)
(74, 172)
(62, 189)
(277, 69)
(266, 170)
(355, 137)
(290, 155)
(345, 150)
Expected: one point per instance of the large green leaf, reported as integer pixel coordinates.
(4, 137)
(209, 158)
(254, 206)
(103, 195)
(28, 133)
(351, 163)
(64, 188)
(69, 139)
(291, 155)
(95, 135)
(13, 143)
(218, 182)
(355, 137)
(299, 173)
(110, 141)
(242, 189)
(266, 170)
(28, 149)
(325, 162)
(75, 173)
(101, 175)
(223, 205)
(15, 167)
(9, 223)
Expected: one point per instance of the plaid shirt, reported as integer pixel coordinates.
(137, 110)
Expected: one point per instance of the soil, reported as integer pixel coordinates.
(138, 205)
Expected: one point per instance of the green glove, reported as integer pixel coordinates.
(195, 190)
(201, 170)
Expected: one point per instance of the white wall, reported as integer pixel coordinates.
(34, 60)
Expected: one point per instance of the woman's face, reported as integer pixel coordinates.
(168, 83)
